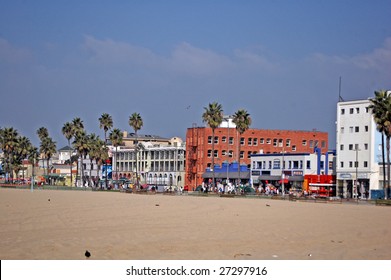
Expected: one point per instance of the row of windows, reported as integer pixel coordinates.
(354, 129)
(353, 147)
(290, 164)
(356, 164)
(230, 153)
(276, 142)
(354, 110)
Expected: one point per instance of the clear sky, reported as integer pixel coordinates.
(280, 60)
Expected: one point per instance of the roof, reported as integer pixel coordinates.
(66, 148)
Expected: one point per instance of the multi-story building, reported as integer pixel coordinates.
(253, 141)
(290, 170)
(359, 151)
(157, 163)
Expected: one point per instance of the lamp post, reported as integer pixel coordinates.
(356, 165)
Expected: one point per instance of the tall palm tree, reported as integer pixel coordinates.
(67, 131)
(9, 144)
(97, 151)
(42, 133)
(33, 157)
(77, 127)
(105, 122)
(242, 121)
(80, 143)
(47, 149)
(92, 149)
(213, 116)
(381, 111)
(136, 122)
(116, 140)
(23, 149)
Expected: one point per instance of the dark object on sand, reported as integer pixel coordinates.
(87, 254)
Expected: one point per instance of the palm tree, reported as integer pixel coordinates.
(77, 127)
(136, 122)
(97, 151)
(242, 121)
(116, 140)
(105, 122)
(9, 144)
(381, 110)
(23, 149)
(92, 149)
(213, 116)
(47, 149)
(42, 133)
(67, 130)
(80, 143)
(33, 157)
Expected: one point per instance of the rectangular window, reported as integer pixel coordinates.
(209, 153)
(350, 129)
(280, 142)
(241, 141)
(311, 143)
(366, 128)
(224, 139)
(209, 139)
(357, 129)
(268, 141)
(365, 164)
(248, 154)
(341, 147)
(275, 142)
(356, 164)
(341, 164)
(216, 153)
(262, 141)
(342, 129)
(350, 163)
(241, 154)
(255, 141)
(231, 140)
(350, 147)
(294, 148)
(342, 111)
(308, 166)
(288, 142)
(231, 153)
(366, 146)
(216, 140)
(351, 111)
(358, 110)
(304, 142)
(249, 141)
(356, 146)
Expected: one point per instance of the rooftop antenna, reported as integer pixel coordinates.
(340, 99)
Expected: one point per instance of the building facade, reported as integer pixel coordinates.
(359, 151)
(253, 141)
(298, 171)
(157, 163)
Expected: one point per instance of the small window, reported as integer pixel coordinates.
(209, 139)
(209, 153)
(308, 164)
(342, 129)
(358, 110)
(275, 142)
(350, 163)
(231, 140)
(255, 141)
(280, 142)
(341, 147)
(365, 164)
(357, 129)
(366, 146)
(216, 153)
(268, 141)
(288, 142)
(350, 147)
(241, 154)
(242, 141)
(249, 141)
(366, 109)
(356, 147)
(341, 164)
(342, 111)
(351, 129)
(351, 111)
(366, 128)
(216, 140)
(262, 141)
(304, 142)
(224, 139)
(294, 148)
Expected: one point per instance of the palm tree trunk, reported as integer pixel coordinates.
(384, 162)
(239, 161)
(77, 170)
(213, 159)
(70, 161)
(388, 168)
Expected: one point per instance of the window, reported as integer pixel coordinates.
(342, 129)
(356, 164)
(280, 142)
(288, 142)
(262, 141)
(241, 154)
(356, 129)
(209, 153)
(342, 111)
(216, 140)
(294, 148)
(249, 154)
(341, 147)
(365, 164)
(308, 166)
(268, 141)
(350, 147)
(366, 109)
(276, 164)
(255, 141)
(351, 111)
(366, 146)
(224, 139)
(231, 140)
(323, 144)
(358, 110)
(311, 143)
(351, 129)
(356, 147)
(304, 142)
(241, 141)
(350, 163)
(249, 141)
(275, 142)
(366, 128)
(224, 153)
(341, 164)
(209, 139)
(231, 153)
(216, 153)
(270, 164)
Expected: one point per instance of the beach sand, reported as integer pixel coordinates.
(62, 225)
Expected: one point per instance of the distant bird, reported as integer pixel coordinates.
(188, 107)
(87, 254)
(267, 205)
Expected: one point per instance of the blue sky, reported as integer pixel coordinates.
(279, 60)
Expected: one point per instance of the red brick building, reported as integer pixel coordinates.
(253, 141)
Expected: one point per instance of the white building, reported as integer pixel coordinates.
(290, 168)
(158, 164)
(359, 151)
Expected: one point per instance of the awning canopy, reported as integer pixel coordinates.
(223, 175)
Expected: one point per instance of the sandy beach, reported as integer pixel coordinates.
(62, 225)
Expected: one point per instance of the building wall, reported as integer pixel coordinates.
(255, 141)
(357, 141)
